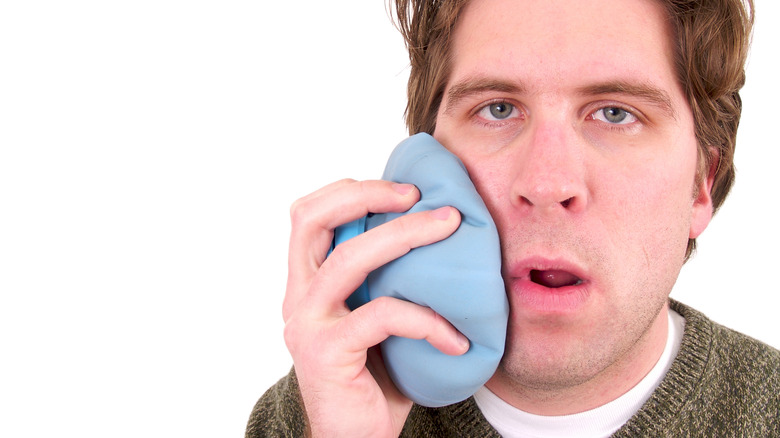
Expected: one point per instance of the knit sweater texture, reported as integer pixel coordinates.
(721, 384)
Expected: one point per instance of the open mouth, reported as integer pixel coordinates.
(554, 278)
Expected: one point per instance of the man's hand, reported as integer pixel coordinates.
(344, 384)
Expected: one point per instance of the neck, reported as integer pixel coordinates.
(600, 389)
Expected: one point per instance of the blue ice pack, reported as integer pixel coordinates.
(458, 277)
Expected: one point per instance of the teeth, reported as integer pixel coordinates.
(555, 278)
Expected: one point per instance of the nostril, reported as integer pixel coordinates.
(566, 203)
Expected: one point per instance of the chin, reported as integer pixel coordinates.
(552, 368)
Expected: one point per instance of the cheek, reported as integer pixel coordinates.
(492, 182)
(648, 212)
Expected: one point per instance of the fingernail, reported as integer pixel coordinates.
(403, 189)
(442, 213)
(463, 342)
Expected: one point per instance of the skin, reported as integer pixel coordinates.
(587, 163)
(582, 199)
(345, 388)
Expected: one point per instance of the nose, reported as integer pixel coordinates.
(550, 169)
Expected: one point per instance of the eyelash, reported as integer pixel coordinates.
(617, 127)
(496, 123)
(591, 115)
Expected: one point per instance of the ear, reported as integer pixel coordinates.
(701, 213)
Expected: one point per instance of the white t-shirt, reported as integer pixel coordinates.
(599, 422)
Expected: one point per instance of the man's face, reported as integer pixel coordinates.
(572, 124)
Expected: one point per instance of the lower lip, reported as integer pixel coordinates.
(535, 298)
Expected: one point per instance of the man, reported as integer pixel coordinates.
(601, 137)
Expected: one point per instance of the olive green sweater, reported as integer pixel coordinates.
(722, 384)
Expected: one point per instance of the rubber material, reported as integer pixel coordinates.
(459, 278)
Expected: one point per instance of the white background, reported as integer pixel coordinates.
(149, 152)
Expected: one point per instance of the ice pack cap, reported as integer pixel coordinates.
(458, 277)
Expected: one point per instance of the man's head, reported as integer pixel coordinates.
(710, 43)
(596, 135)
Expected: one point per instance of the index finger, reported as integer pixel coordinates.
(316, 216)
(351, 261)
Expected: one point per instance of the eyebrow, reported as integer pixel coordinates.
(472, 87)
(653, 95)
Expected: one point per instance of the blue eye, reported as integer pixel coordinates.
(498, 111)
(501, 110)
(614, 115)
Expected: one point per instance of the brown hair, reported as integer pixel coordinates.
(711, 39)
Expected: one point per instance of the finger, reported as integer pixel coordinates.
(315, 216)
(375, 321)
(347, 200)
(351, 261)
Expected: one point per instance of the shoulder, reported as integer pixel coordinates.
(744, 355)
(739, 382)
(279, 412)
(729, 353)
(722, 383)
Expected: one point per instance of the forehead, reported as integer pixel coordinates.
(552, 44)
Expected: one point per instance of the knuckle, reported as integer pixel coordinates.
(437, 324)
(364, 187)
(287, 309)
(340, 257)
(345, 181)
(302, 208)
(406, 229)
(434, 319)
(382, 311)
(300, 339)
(404, 226)
(381, 307)
(299, 210)
(346, 258)
(291, 336)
